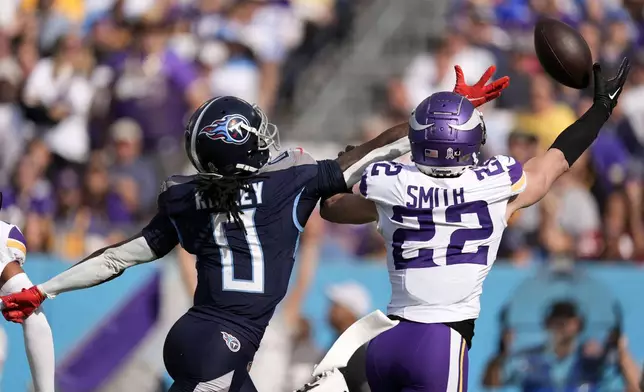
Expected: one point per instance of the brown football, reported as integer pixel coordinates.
(563, 53)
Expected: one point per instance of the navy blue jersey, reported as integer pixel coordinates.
(242, 276)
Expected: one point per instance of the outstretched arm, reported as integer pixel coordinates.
(542, 171)
(100, 267)
(155, 241)
(356, 209)
(389, 145)
(393, 143)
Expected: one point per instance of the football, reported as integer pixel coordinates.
(563, 53)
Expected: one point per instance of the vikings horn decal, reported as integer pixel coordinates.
(475, 120)
(415, 125)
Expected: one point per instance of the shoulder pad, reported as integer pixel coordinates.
(504, 160)
(174, 181)
(177, 195)
(380, 182)
(497, 165)
(15, 242)
(384, 168)
(503, 167)
(288, 159)
(515, 172)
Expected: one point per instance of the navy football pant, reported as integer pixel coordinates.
(202, 356)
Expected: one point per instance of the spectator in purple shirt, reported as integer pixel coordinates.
(68, 197)
(106, 208)
(28, 193)
(154, 87)
(28, 203)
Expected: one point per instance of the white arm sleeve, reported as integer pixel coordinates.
(39, 342)
(98, 269)
(385, 153)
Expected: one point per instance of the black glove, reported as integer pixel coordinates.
(607, 91)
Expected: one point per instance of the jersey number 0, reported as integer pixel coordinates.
(229, 283)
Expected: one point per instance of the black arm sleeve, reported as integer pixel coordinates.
(575, 139)
(161, 235)
(330, 178)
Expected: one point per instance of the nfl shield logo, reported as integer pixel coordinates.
(231, 341)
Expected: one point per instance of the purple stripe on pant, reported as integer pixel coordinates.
(418, 357)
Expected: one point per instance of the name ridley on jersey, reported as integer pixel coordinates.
(241, 216)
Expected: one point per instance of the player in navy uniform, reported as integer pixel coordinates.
(242, 216)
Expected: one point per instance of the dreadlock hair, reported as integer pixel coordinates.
(223, 193)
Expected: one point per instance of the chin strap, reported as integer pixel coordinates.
(442, 172)
(447, 172)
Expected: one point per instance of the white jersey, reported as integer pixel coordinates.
(12, 245)
(442, 234)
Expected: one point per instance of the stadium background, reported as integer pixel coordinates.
(88, 133)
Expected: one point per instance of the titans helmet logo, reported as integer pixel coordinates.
(228, 129)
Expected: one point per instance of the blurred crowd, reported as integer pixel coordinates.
(595, 211)
(94, 96)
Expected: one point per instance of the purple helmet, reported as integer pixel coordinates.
(446, 133)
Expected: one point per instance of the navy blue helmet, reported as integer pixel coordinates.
(228, 137)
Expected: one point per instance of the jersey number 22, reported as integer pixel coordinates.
(424, 257)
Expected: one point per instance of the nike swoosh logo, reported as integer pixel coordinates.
(613, 95)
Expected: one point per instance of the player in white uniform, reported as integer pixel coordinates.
(442, 219)
(39, 343)
(154, 242)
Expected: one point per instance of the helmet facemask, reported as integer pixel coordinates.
(268, 133)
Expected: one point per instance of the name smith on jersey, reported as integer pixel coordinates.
(433, 197)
